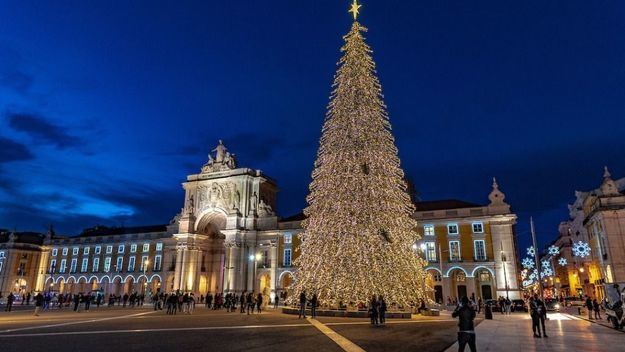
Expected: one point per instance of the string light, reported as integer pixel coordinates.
(359, 234)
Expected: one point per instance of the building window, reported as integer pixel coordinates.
(430, 251)
(63, 266)
(144, 259)
(85, 263)
(65, 251)
(85, 251)
(96, 265)
(2, 255)
(287, 257)
(107, 264)
(478, 227)
(1, 266)
(52, 266)
(159, 246)
(131, 264)
(452, 229)
(428, 230)
(120, 249)
(72, 268)
(119, 265)
(109, 249)
(98, 249)
(288, 238)
(146, 247)
(54, 252)
(75, 251)
(157, 263)
(133, 248)
(454, 251)
(479, 248)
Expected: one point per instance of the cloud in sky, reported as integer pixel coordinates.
(42, 129)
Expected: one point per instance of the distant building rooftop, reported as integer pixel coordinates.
(444, 204)
(108, 231)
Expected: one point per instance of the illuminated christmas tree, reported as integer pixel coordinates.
(359, 236)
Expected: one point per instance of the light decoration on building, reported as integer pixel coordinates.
(562, 261)
(528, 263)
(545, 264)
(546, 272)
(533, 275)
(581, 249)
(527, 282)
(554, 250)
(531, 251)
(358, 234)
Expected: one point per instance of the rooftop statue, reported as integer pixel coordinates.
(223, 160)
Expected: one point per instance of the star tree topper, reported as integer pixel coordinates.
(355, 9)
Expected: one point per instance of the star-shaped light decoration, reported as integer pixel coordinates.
(545, 264)
(355, 9)
(531, 251)
(562, 261)
(581, 249)
(528, 263)
(546, 273)
(554, 250)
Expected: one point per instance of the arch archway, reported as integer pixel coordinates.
(155, 283)
(458, 283)
(117, 283)
(484, 283)
(434, 284)
(285, 280)
(211, 223)
(129, 282)
(71, 285)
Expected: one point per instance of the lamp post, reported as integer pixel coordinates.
(145, 267)
(255, 258)
(505, 275)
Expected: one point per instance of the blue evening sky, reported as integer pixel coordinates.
(106, 106)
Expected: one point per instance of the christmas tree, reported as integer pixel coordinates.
(359, 236)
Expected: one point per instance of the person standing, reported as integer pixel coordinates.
(313, 306)
(276, 301)
(242, 302)
(381, 310)
(38, 303)
(373, 310)
(589, 306)
(259, 302)
(596, 308)
(10, 300)
(302, 304)
(466, 331)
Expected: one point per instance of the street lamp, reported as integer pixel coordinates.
(145, 267)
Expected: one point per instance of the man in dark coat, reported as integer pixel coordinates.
(38, 303)
(466, 331)
(302, 304)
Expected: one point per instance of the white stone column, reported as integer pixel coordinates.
(178, 272)
(273, 256)
(251, 280)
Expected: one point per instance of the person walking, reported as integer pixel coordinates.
(596, 308)
(10, 300)
(76, 302)
(302, 304)
(466, 331)
(589, 306)
(38, 303)
(250, 302)
(373, 311)
(276, 301)
(381, 310)
(313, 306)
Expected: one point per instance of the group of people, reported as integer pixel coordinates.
(377, 310)
(593, 306)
